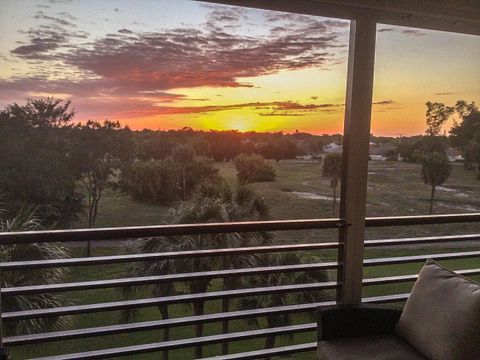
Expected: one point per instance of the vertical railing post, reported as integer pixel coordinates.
(358, 106)
(3, 351)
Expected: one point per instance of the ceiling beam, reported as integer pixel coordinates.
(459, 16)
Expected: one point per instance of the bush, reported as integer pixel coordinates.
(253, 168)
(151, 181)
(161, 181)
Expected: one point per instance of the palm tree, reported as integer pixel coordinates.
(212, 204)
(153, 268)
(241, 204)
(26, 220)
(279, 279)
(332, 169)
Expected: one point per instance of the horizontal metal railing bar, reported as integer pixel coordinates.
(422, 219)
(216, 228)
(184, 343)
(159, 324)
(191, 320)
(217, 295)
(267, 353)
(421, 240)
(167, 300)
(131, 350)
(403, 297)
(98, 234)
(419, 258)
(103, 260)
(100, 284)
(406, 278)
(386, 298)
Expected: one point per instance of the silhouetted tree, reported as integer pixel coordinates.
(466, 134)
(332, 169)
(437, 114)
(98, 150)
(36, 158)
(183, 155)
(464, 108)
(224, 145)
(435, 171)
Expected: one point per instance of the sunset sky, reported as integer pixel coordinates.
(165, 64)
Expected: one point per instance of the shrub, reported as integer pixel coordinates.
(151, 181)
(163, 181)
(253, 168)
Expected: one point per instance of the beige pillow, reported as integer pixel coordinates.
(441, 318)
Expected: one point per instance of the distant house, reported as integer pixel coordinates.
(454, 154)
(333, 148)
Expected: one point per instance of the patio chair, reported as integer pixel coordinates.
(440, 321)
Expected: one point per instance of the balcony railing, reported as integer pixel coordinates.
(100, 235)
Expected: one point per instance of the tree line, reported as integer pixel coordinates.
(45, 154)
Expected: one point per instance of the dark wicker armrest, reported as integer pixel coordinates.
(4, 354)
(339, 321)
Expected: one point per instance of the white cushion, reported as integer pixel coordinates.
(441, 318)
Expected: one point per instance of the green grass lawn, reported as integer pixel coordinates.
(394, 188)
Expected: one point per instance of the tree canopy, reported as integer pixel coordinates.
(36, 159)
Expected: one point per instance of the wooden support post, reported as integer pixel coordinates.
(355, 156)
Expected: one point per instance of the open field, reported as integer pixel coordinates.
(394, 188)
(299, 192)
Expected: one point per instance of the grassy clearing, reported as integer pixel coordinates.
(394, 189)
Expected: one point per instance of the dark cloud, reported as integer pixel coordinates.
(40, 43)
(444, 93)
(57, 20)
(290, 108)
(182, 57)
(226, 15)
(67, 15)
(384, 102)
(132, 73)
(48, 37)
(277, 108)
(386, 29)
